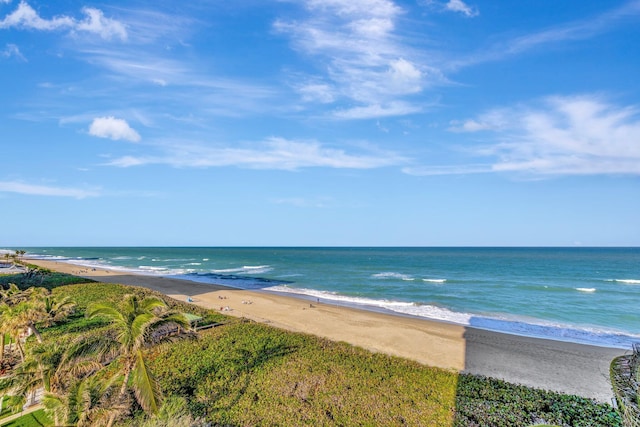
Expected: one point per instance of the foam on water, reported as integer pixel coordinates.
(628, 281)
(488, 288)
(390, 275)
(529, 327)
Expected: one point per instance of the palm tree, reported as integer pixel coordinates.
(89, 402)
(12, 320)
(34, 373)
(7, 297)
(55, 309)
(134, 322)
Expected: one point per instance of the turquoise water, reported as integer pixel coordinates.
(589, 295)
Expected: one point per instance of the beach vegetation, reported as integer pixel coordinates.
(625, 379)
(133, 323)
(108, 366)
(35, 276)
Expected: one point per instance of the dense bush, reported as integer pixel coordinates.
(484, 401)
(41, 278)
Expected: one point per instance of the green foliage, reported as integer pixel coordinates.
(41, 278)
(246, 373)
(33, 419)
(484, 401)
(86, 293)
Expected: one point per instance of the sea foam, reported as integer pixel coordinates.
(530, 327)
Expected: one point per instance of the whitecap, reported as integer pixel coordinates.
(588, 290)
(507, 324)
(390, 275)
(151, 268)
(434, 280)
(628, 281)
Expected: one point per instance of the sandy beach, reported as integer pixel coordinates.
(553, 365)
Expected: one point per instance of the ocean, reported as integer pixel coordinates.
(584, 295)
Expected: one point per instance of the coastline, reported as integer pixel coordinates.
(553, 365)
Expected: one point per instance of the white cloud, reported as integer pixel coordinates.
(364, 61)
(460, 6)
(581, 135)
(317, 92)
(96, 22)
(274, 154)
(448, 170)
(43, 190)
(110, 127)
(27, 18)
(12, 50)
(397, 108)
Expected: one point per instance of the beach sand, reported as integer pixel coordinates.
(552, 365)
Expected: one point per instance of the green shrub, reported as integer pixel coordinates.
(487, 401)
(41, 278)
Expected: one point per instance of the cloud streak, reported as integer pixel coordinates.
(12, 50)
(579, 135)
(571, 31)
(461, 7)
(43, 190)
(273, 154)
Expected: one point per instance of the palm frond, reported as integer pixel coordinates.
(104, 310)
(146, 388)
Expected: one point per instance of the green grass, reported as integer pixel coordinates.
(33, 419)
(246, 373)
(252, 374)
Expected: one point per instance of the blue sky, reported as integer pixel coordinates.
(320, 122)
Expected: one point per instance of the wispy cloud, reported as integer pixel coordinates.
(110, 127)
(43, 190)
(580, 135)
(456, 6)
(12, 50)
(571, 31)
(461, 7)
(303, 202)
(274, 153)
(366, 61)
(95, 22)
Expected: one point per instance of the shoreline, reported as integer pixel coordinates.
(566, 367)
